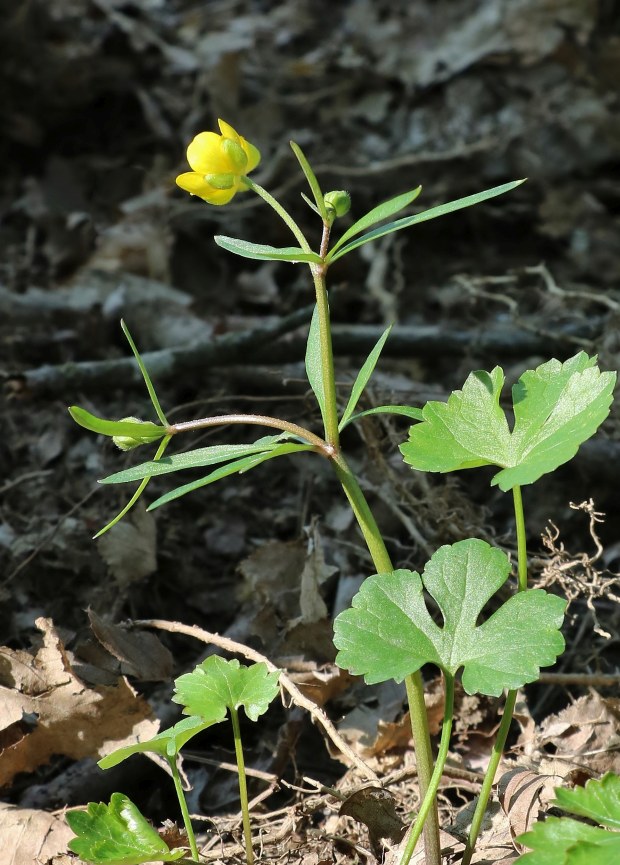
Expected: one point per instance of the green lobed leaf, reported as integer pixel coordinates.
(388, 632)
(404, 410)
(262, 252)
(563, 841)
(557, 407)
(191, 459)
(363, 377)
(314, 368)
(599, 800)
(313, 183)
(235, 467)
(434, 212)
(146, 430)
(377, 214)
(167, 744)
(217, 684)
(117, 834)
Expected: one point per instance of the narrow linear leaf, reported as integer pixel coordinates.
(313, 183)
(388, 633)
(377, 214)
(191, 459)
(168, 743)
(146, 430)
(314, 367)
(145, 375)
(408, 221)
(262, 252)
(117, 834)
(235, 467)
(363, 377)
(404, 410)
(224, 685)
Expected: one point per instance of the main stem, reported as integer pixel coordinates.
(377, 550)
(243, 789)
(511, 696)
(172, 762)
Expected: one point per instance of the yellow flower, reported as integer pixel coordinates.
(219, 163)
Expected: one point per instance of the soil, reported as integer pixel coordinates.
(100, 99)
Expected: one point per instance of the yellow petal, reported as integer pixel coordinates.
(193, 183)
(228, 132)
(205, 155)
(253, 154)
(220, 196)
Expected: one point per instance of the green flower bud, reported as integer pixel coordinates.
(337, 202)
(127, 443)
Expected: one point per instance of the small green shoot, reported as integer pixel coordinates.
(388, 632)
(404, 410)
(363, 377)
(557, 407)
(313, 183)
(219, 685)
(145, 375)
(564, 841)
(117, 834)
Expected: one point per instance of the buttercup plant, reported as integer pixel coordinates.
(388, 632)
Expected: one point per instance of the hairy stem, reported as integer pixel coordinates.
(511, 696)
(243, 789)
(257, 420)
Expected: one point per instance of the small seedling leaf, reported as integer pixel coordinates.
(363, 377)
(117, 834)
(377, 214)
(314, 368)
(557, 407)
(408, 221)
(563, 841)
(147, 430)
(167, 744)
(388, 632)
(237, 466)
(191, 459)
(404, 410)
(599, 800)
(262, 252)
(217, 684)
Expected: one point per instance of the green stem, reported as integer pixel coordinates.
(332, 434)
(184, 810)
(511, 696)
(284, 215)
(255, 419)
(243, 789)
(442, 755)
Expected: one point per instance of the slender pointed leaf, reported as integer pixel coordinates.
(557, 407)
(314, 367)
(117, 834)
(219, 684)
(312, 181)
(146, 430)
(434, 212)
(145, 375)
(262, 252)
(363, 378)
(377, 214)
(310, 204)
(404, 410)
(388, 633)
(235, 467)
(191, 459)
(168, 743)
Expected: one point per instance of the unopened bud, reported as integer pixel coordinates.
(127, 443)
(337, 202)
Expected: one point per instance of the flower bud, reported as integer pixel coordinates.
(337, 202)
(127, 443)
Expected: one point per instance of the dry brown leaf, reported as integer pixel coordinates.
(519, 796)
(46, 709)
(28, 836)
(130, 548)
(141, 654)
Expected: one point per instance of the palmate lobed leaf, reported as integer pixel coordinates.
(599, 800)
(563, 841)
(117, 834)
(262, 252)
(388, 632)
(217, 684)
(557, 407)
(168, 743)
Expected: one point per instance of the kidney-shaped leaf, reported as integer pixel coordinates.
(117, 834)
(388, 632)
(557, 407)
(219, 684)
(168, 743)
